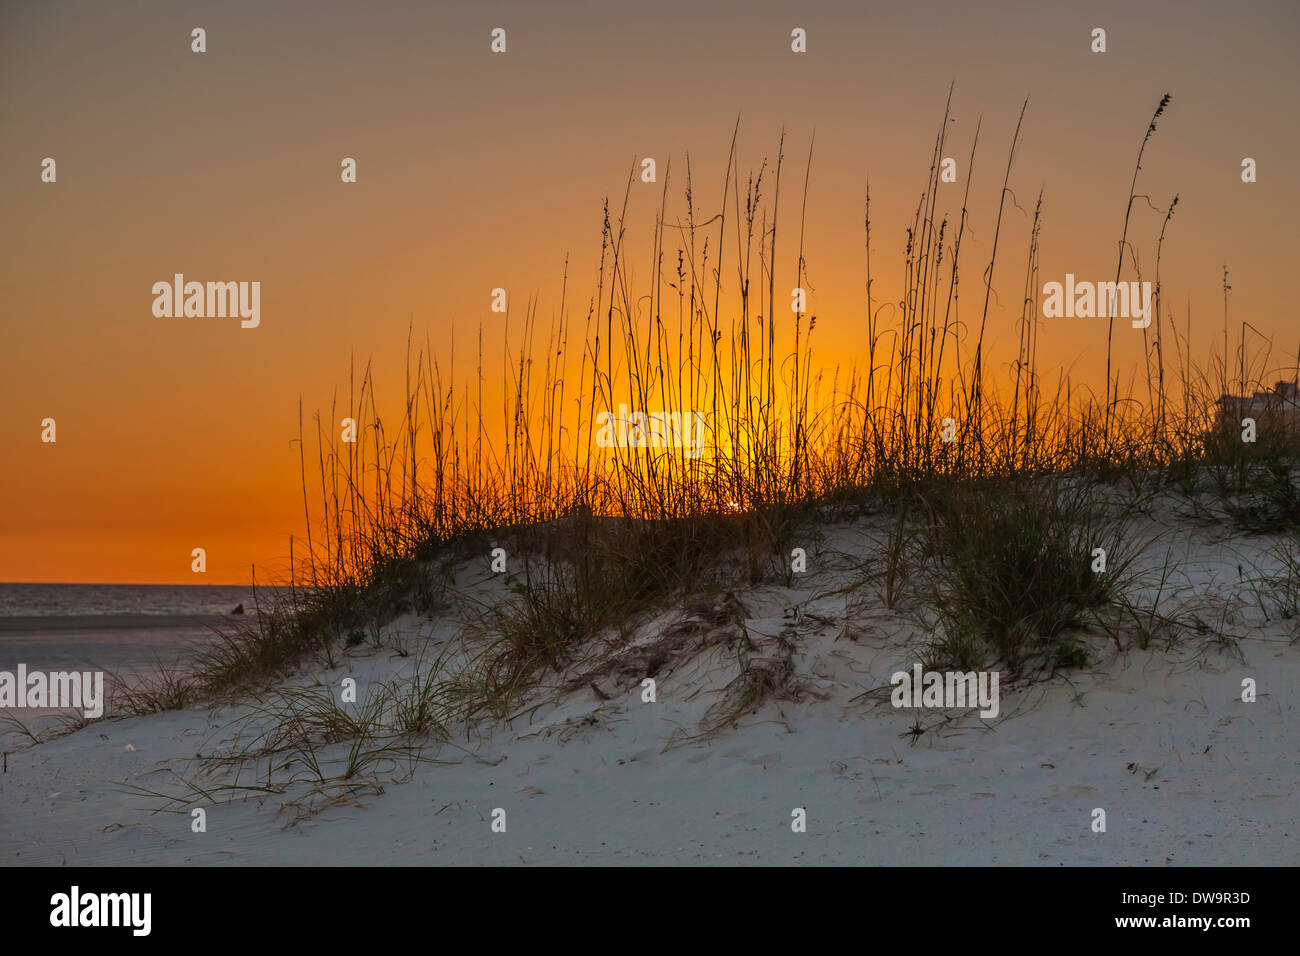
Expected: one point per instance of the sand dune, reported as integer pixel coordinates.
(1187, 772)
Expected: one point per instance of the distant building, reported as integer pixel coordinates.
(1279, 407)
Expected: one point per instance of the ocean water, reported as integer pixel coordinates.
(127, 631)
(94, 600)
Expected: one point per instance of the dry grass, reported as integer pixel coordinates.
(599, 536)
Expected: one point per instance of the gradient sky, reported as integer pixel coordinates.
(480, 170)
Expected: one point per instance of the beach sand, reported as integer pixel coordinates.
(129, 647)
(1160, 739)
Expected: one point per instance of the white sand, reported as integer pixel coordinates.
(1186, 771)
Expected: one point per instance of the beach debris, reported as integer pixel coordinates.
(130, 749)
(1138, 768)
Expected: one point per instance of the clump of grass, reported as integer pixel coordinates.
(600, 575)
(761, 678)
(164, 688)
(1013, 564)
(901, 547)
(421, 706)
(275, 640)
(1067, 653)
(1254, 483)
(1279, 592)
(309, 744)
(1265, 499)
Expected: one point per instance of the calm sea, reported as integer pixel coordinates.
(92, 600)
(125, 630)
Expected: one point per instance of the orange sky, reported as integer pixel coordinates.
(479, 170)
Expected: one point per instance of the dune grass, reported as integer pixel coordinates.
(1019, 563)
(1004, 512)
(1001, 480)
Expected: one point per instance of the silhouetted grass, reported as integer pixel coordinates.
(597, 536)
